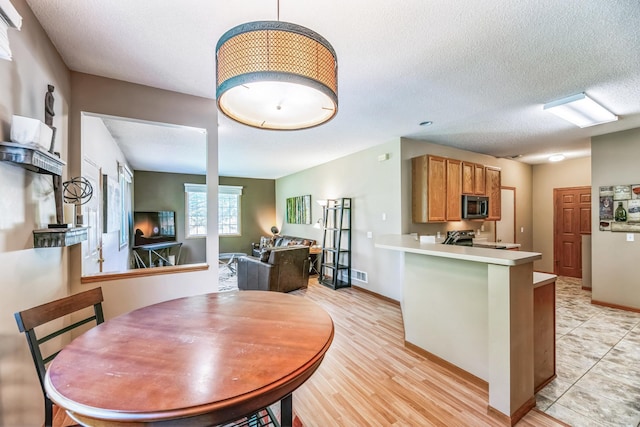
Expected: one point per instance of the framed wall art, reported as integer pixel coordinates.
(299, 210)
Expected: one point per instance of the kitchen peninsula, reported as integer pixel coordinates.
(472, 308)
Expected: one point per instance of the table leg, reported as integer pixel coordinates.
(286, 411)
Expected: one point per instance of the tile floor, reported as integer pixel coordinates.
(597, 362)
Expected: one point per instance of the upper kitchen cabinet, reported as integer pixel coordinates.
(436, 189)
(492, 176)
(473, 179)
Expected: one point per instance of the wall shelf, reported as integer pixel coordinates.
(31, 158)
(59, 237)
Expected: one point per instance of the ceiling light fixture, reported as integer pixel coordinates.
(276, 75)
(580, 110)
(556, 158)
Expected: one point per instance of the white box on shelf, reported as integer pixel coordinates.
(32, 132)
(427, 239)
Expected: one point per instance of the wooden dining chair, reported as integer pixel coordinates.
(31, 318)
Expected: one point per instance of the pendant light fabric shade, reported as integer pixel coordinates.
(276, 75)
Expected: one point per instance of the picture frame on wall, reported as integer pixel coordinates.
(111, 204)
(299, 210)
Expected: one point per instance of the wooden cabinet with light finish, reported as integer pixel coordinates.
(429, 189)
(492, 176)
(544, 329)
(454, 190)
(473, 180)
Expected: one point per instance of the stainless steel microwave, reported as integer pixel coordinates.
(475, 207)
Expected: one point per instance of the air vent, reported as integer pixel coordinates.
(360, 276)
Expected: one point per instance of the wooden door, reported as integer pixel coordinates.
(92, 247)
(493, 187)
(479, 186)
(454, 190)
(572, 219)
(437, 189)
(468, 177)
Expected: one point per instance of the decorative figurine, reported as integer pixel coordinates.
(48, 106)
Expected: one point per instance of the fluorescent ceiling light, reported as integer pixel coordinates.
(580, 110)
(556, 158)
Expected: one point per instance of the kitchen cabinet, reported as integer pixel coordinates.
(473, 179)
(454, 190)
(544, 327)
(429, 189)
(436, 189)
(492, 179)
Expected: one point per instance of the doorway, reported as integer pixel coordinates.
(572, 219)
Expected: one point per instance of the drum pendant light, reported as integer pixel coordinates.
(276, 75)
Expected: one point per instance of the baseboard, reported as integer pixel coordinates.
(377, 295)
(585, 288)
(517, 415)
(619, 307)
(478, 382)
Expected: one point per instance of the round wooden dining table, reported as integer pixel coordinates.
(199, 360)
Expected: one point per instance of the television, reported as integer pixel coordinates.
(154, 227)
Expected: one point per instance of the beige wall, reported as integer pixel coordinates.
(258, 211)
(513, 174)
(116, 98)
(546, 177)
(160, 191)
(614, 160)
(374, 187)
(29, 276)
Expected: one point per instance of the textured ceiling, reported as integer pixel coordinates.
(480, 70)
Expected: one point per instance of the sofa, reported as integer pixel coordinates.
(279, 241)
(279, 269)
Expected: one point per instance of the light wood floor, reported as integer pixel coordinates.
(368, 377)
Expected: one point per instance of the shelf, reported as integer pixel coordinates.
(31, 158)
(334, 284)
(333, 266)
(59, 237)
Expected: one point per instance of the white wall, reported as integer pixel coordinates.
(374, 187)
(614, 160)
(103, 150)
(546, 177)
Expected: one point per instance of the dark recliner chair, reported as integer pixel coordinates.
(284, 269)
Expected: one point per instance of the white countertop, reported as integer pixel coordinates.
(407, 243)
(541, 279)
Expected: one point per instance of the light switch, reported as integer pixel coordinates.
(522, 229)
(369, 235)
(384, 216)
(630, 237)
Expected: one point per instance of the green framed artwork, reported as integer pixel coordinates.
(299, 210)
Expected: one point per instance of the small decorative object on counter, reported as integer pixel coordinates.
(621, 213)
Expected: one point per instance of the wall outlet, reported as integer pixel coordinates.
(384, 216)
(630, 237)
(369, 235)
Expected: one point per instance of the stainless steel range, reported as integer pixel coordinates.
(465, 238)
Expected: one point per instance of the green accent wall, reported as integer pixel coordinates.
(161, 191)
(258, 212)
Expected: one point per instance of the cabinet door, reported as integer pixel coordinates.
(436, 189)
(468, 178)
(479, 180)
(493, 192)
(454, 190)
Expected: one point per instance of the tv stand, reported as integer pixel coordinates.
(162, 251)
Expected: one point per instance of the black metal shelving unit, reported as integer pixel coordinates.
(335, 261)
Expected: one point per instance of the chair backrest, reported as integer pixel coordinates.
(31, 318)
